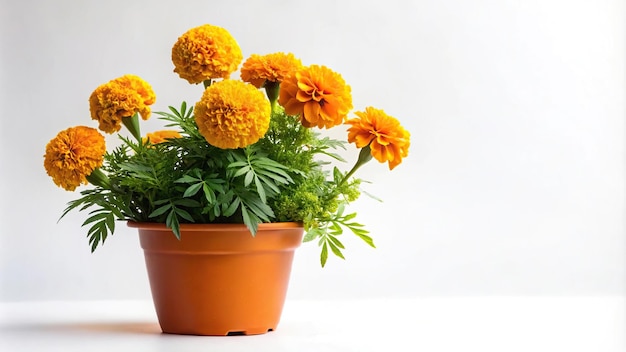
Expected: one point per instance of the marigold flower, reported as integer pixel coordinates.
(73, 155)
(258, 69)
(319, 95)
(388, 140)
(157, 137)
(232, 114)
(119, 98)
(205, 52)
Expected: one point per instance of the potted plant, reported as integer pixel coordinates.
(236, 182)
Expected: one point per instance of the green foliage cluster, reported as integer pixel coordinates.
(186, 180)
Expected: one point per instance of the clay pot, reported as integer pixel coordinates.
(218, 279)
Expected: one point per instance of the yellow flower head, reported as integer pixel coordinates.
(232, 114)
(157, 137)
(388, 140)
(319, 95)
(258, 69)
(119, 98)
(73, 154)
(205, 52)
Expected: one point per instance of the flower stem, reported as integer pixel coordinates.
(99, 178)
(132, 124)
(365, 155)
(272, 89)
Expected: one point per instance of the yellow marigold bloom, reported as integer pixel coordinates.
(73, 155)
(119, 98)
(157, 137)
(388, 140)
(272, 67)
(319, 95)
(205, 52)
(232, 114)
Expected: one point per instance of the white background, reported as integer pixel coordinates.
(514, 184)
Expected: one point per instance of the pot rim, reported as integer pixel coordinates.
(214, 226)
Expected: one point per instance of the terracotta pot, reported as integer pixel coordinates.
(218, 279)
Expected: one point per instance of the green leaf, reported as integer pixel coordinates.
(337, 175)
(173, 110)
(269, 183)
(336, 229)
(335, 241)
(372, 196)
(193, 189)
(235, 164)
(232, 207)
(349, 217)
(311, 234)
(336, 250)
(340, 210)
(241, 171)
(276, 174)
(358, 231)
(135, 168)
(259, 208)
(172, 222)
(324, 255)
(93, 231)
(366, 238)
(162, 201)
(160, 210)
(248, 220)
(208, 193)
(187, 179)
(274, 168)
(248, 179)
(110, 222)
(260, 190)
(97, 233)
(184, 214)
(191, 203)
(97, 217)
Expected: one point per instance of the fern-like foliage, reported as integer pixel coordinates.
(186, 180)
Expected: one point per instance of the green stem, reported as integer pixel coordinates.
(132, 124)
(207, 83)
(99, 178)
(364, 156)
(272, 89)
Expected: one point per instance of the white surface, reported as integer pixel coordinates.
(428, 324)
(515, 180)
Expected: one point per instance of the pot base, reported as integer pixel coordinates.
(219, 333)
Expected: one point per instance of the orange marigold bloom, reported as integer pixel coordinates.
(319, 95)
(119, 98)
(232, 114)
(157, 137)
(272, 67)
(388, 140)
(73, 155)
(206, 52)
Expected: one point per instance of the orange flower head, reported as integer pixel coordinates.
(205, 52)
(232, 114)
(119, 98)
(319, 95)
(157, 137)
(258, 69)
(73, 155)
(388, 140)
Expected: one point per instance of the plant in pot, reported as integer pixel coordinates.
(224, 195)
